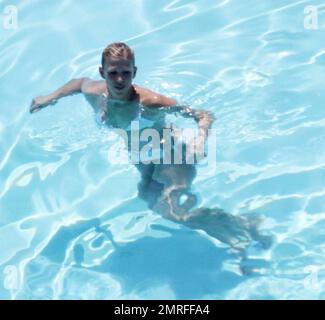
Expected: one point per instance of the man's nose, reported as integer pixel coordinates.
(119, 78)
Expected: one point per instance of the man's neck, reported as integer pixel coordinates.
(129, 96)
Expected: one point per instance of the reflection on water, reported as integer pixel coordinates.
(72, 224)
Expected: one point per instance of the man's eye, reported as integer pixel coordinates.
(112, 73)
(126, 73)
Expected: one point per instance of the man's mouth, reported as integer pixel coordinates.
(119, 88)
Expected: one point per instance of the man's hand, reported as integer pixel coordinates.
(103, 115)
(41, 102)
(196, 146)
(71, 87)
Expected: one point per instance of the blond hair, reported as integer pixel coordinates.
(118, 50)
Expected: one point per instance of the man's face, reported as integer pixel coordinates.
(118, 74)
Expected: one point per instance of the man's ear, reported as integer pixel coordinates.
(135, 71)
(101, 72)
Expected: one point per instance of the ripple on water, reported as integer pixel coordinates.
(71, 221)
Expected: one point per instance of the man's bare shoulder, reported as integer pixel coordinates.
(93, 87)
(153, 99)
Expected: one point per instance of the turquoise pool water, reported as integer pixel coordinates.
(71, 225)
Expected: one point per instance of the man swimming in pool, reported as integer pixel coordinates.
(120, 102)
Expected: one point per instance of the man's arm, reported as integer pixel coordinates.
(72, 87)
(203, 118)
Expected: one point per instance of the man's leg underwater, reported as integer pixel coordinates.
(163, 186)
(237, 231)
(149, 190)
(176, 198)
